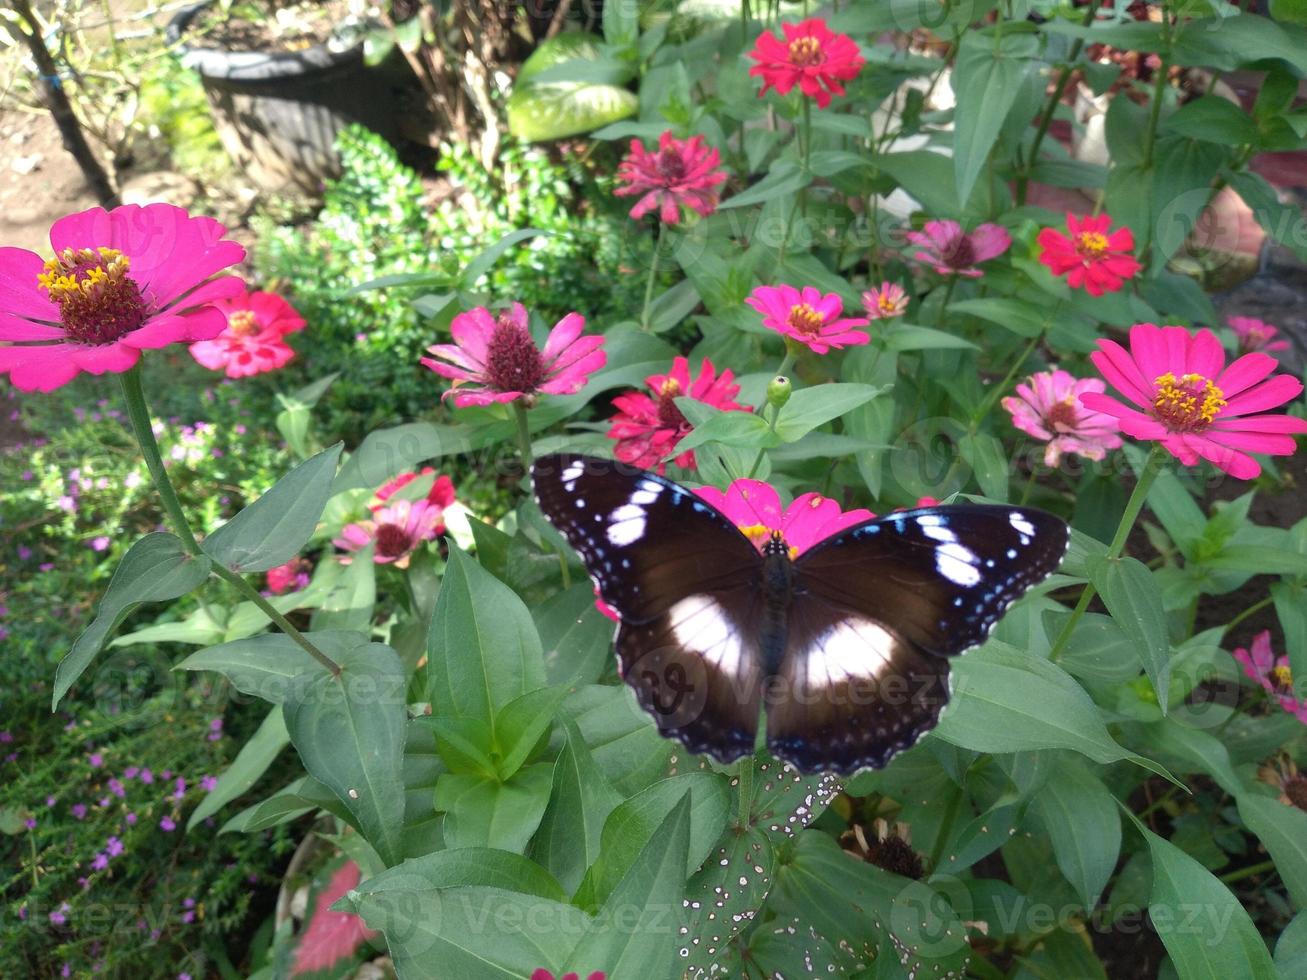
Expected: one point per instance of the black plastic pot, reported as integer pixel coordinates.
(278, 113)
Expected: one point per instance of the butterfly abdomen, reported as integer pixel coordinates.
(777, 587)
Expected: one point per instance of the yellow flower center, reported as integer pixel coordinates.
(805, 319)
(887, 304)
(668, 414)
(1282, 677)
(242, 323)
(1187, 404)
(1092, 244)
(805, 51)
(98, 302)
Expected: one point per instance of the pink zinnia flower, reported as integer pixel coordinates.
(1092, 257)
(294, 575)
(440, 496)
(951, 252)
(1048, 408)
(396, 530)
(1254, 334)
(254, 339)
(647, 428)
(755, 508)
(888, 301)
(808, 317)
(1191, 403)
(681, 172)
(810, 56)
(1262, 665)
(120, 282)
(493, 358)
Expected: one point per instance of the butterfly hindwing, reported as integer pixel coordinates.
(939, 577)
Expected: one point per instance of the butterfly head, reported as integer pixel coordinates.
(776, 545)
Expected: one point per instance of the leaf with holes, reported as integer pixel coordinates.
(723, 898)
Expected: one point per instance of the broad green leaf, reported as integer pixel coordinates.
(1021, 317)
(1291, 610)
(987, 78)
(292, 801)
(484, 812)
(1200, 751)
(785, 801)
(736, 429)
(783, 179)
(981, 837)
(1203, 926)
(520, 724)
(1212, 118)
(1134, 599)
(552, 110)
(576, 637)
(1291, 950)
(272, 666)
(873, 421)
(634, 935)
(472, 932)
(272, 530)
(906, 336)
(484, 261)
(296, 413)
(351, 600)
(1066, 951)
(784, 949)
(384, 453)
(811, 407)
(1082, 822)
(1283, 832)
(465, 866)
(580, 801)
(483, 650)
(622, 738)
(155, 568)
(250, 764)
(724, 897)
(989, 463)
(349, 730)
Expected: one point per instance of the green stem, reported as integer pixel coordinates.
(948, 295)
(945, 830)
(138, 413)
(1252, 610)
(1248, 872)
(773, 415)
(745, 776)
(1029, 487)
(1055, 97)
(1152, 467)
(653, 276)
(523, 434)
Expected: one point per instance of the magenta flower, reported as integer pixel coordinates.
(96, 760)
(808, 317)
(951, 252)
(292, 575)
(253, 341)
(1192, 404)
(121, 281)
(885, 302)
(809, 55)
(493, 358)
(1255, 335)
(179, 789)
(60, 915)
(100, 543)
(147, 777)
(1048, 408)
(755, 508)
(1262, 665)
(648, 427)
(79, 810)
(680, 173)
(395, 530)
(208, 783)
(215, 733)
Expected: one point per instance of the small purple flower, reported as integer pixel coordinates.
(6, 737)
(50, 801)
(105, 801)
(66, 503)
(166, 774)
(180, 790)
(4, 633)
(215, 729)
(79, 811)
(188, 917)
(101, 543)
(45, 566)
(132, 481)
(65, 971)
(208, 783)
(168, 825)
(30, 823)
(60, 915)
(131, 819)
(113, 847)
(96, 760)
(101, 862)
(24, 552)
(28, 476)
(147, 777)
(116, 788)
(130, 772)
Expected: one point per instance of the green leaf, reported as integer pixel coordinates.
(1291, 950)
(783, 179)
(253, 760)
(984, 453)
(1134, 599)
(622, 738)
(483, 650)
(1259, 560)
(292, 801)
(724, 896)
(737, 429)
(272, 666)
(622, 23)
(352, 598)
(272, 530)
(1212, 118)
(575, 636)
(485, 260)
(1283, 223)
(466, 866)
(294, 418)
(1283, 832)
(484, 812)
(874, 421)
(672, 306)
(1005, 700)
(552, 110)
(580, 801)
(811, 407)
(987, 78)
(644, 943)
(521, 723)
(154, 569)
(907, 336)
(349, 730)
(384, 453)
(1201, 924)
(1022, 318)
(1082, 822)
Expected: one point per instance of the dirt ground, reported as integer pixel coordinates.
(39, 181)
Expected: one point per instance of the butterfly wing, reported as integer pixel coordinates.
(684, 582)
(878, 609)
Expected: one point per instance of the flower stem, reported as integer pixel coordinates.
(653, 276)
(523, 434)
(1152, 467)
(771, 416)
(139, 414)
(1253, 869)
(948, 295)
(745, 776)
(1252, 610)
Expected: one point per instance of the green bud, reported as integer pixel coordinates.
(778, 391)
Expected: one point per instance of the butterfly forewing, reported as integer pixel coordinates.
(939, 577)
(683, 580)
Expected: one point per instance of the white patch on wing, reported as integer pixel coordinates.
(852, 648)
(571, 474)
(932, 526)
(956, 563)
(1020, 523)
(626, 529)
(647, 493)
(699, 624)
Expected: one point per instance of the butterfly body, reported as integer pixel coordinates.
(846, 645)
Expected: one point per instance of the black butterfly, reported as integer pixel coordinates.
(846, 647)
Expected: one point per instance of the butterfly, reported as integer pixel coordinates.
(845, 647)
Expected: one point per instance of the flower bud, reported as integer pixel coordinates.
(778, 391)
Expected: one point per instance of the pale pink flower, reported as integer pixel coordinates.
(1047, 407)
(889, 300)
(1262, 665)
(1255, 334)
(395, 530)
(950, 251)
